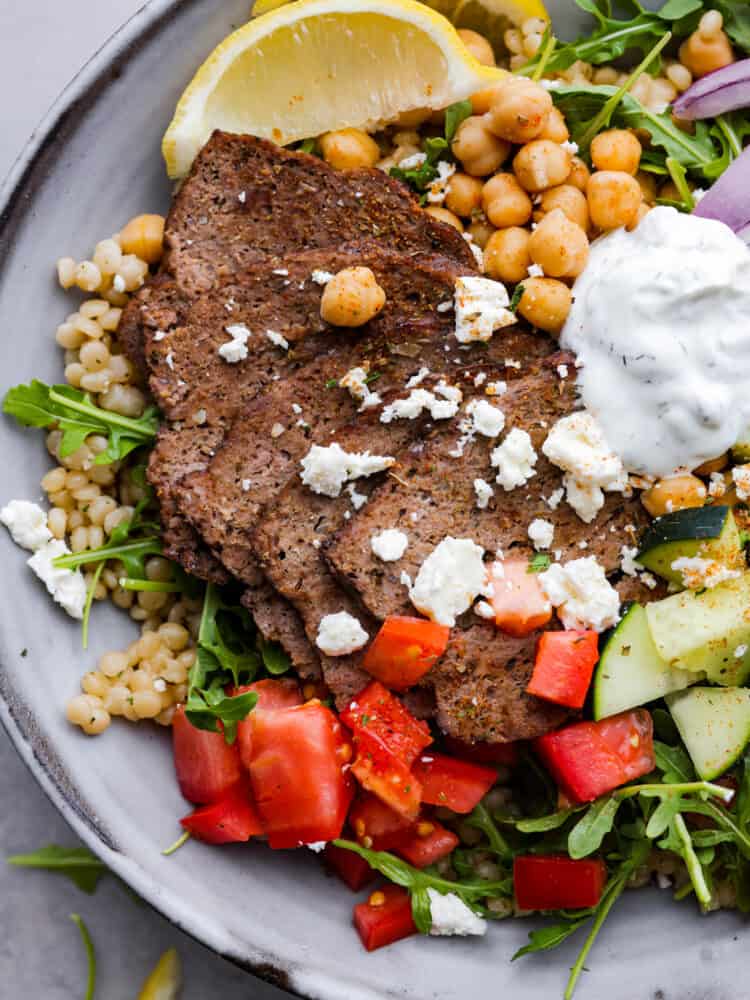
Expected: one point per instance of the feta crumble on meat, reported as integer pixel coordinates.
(514, 460)
(555, 498)
(476, 250)
(390, 544)
(417, 379)
(355, 381)
(277, 339)
(246, 484)
(439, 188)
(419, 400)
(582, 594)
(236, 349)
(627, 560)
(340, 634)
(741, 480)
(486, 419)
(27, 524)
(326, 469)
(496, 388)
(358, 499)
(484, 493)
(449, 580)
(321, 277)
(541, 533)
(698, 573)
(481, 308)
(451, 916)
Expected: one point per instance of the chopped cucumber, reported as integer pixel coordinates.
(741, 450)
(714, 724)
(707, 631)
(630, 671)
(708, 532)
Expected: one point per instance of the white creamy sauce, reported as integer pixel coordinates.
(661, 326)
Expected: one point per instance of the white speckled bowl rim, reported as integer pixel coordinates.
(296, 932)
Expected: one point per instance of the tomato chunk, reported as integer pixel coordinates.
(519, 603)
(376, 825)
(272, 694)
(456, 784)
(428, 844)
(299, 785)
(388, 921)
(589, 759)
(350, 867)
(404, 650)
(557, 882)
(207, 767)
(563, 667)
(232, 819)
(483, 753)
(387, 739)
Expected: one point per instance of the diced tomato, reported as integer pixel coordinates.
(483, 753)
(404, 650)
(519, 603)
(232, 819)
(371, 818)
(272, 694)
(428, 844)
(207, 767)
(300, 787)
(456, 784)
(389, 921)
(589, 759)
(563, 667)
(387, 739)
(557, 882)
(350, 867)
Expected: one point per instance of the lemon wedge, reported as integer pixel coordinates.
(317, 65)
(165, 980)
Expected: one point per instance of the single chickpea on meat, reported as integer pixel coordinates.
(614, 198)
(506, 255)
(708, 48)
(504, 201)
(541, 164)
(520, 110)
(352, 297)
(464, 194)
(674, 493)
(444, 215)
(571, 202)
(560, 247)
(349, 148)
(545, 303)
(478, 46)
(477, 149)
(616, 149)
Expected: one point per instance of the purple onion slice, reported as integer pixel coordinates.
(723, 90)
(728, 199)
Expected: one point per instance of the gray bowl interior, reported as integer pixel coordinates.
(93, 164)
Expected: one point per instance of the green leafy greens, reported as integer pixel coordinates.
(78, 864)
(434, 149)
(90, 955)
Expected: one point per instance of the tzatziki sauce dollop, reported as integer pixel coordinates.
(660, 322)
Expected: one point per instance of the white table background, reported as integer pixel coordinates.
(42, 45)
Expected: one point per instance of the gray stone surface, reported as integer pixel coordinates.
(42, 44)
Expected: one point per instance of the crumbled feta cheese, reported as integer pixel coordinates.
(741, 480)
(449, 580)
(27, 524)
(698, 573)
(479, 379)
(627, 560)
(159, 335)
(496, 388)
(582, 594)
(236, 349)
(585, 500)
(417, 379)
(514, 460)
(405, 579)
(541, 533)
(439, 188)
(486, 419)
(169, 360)
(321, 277)
(296, 408)
(551, 84)
(571, 147)
(444, 307)
(481, 308)
(535, 271)
(340, 634)
(326, 469)
(246, 484)
(451, 916)
(484, 493)
(277, 430)
(649, 580)
(476, 251)
(159, 685)
(717, 487)
(510, 363)
(555, 498)
(67, 587)
(358, 499)
(419, 400)
(413, 161)
(277, 339)
(562, 371)
(281, 271)
(355, 381)
(484, 610)
(242, 197)
(317, 846)
(389, 545)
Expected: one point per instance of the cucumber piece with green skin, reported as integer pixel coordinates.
(707, 532)
(714, 724)
(630, 671)
(741, 450)
(707, 631)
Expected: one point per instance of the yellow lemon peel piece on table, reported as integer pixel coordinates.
(165, 980)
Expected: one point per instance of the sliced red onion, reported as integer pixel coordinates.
(725, 89)
(728, 200)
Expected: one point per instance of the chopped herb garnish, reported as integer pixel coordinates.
(516, 297)
(78, 864)
(332, 383)
(90, 955)
(454, 115)
(538, 563)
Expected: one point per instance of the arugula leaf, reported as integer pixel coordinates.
(736, 21)
(538, 563)
(542, 824)
(546, 938)
(78, 864)
(674, 763)
(516, 297)
(90, 955)
(678, 841)
(480, 819)
(77, 416)
(454, 115)
(589, 832)
(131, 554)
(421, 910)
(275, 660)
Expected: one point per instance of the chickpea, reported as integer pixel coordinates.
(571, 202)
(579, 174)
(647, 184)
(479, 151)
(478, 46)
(520, 110)
(708, 48)
(560, 247)
(504, 201)
(481, 231)
(144, 238)
(541, 164)
(545, 303)
(482, 100)
(506, 255)
(464, 194)
(352, 297)
(616, 149)
(674, 493)
(438, 212)
(614, 198)
(349, 148)
(643, 210)
(555, 130)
